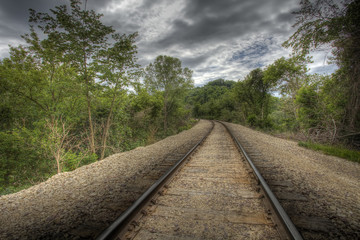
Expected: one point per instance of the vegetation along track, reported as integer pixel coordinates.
(213, 196)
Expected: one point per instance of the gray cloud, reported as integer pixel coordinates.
(217, 38)
(217, 20)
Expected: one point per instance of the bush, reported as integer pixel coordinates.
(74, 160)
(21, 163)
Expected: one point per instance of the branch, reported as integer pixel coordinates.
(350, 134)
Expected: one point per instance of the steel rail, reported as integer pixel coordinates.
(289, 226)
(125, 219)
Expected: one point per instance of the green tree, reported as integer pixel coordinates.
(166, 74)
(146, 108)
(308, 112)
(253, 95)
(80, 34)
(117, 66)
(287, 76)
(327, 22)
(213, 100)
(321, 107)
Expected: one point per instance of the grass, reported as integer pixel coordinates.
(13, 189)
(337, 151)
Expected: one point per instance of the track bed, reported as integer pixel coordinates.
(213, 196)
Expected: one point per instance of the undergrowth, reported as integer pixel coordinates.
(337, 151)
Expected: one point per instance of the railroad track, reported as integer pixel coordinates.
(211, 193)
(313, 219)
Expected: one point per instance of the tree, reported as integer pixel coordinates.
(57, 141)
(287, 76)
(212, 100)
(80, 35)
(336, 24)
(252, 94)
(308, 112)
(116, 65)
(166, 74)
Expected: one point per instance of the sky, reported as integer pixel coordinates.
(215, 38)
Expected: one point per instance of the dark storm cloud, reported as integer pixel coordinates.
(215, 38)
(17, 11)
(98, 4)
(147, 4)
(195, 60)
(7, 31)
(285, 17)
(217, 20)
(15, 15)
(256, 50)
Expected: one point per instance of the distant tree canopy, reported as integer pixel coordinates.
(282, 97)
(221, 83)
(166, 74)
(207, 101)
(323, 108)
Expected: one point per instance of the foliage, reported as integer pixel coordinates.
(66, 99)
(73, 160)
(327, 22)
(253, 96)
(167, 75)
(19, 158)
(286, 75)
(212, 101)
(308, 113)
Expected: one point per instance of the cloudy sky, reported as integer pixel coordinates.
(215, 38)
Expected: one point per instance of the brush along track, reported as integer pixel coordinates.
(214, 196)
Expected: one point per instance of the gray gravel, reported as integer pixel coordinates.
(325, 189)
(79, 204)
(211, 197)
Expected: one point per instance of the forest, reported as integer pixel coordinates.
(75, 94)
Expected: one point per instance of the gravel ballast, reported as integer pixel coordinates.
(79, 204)
(321, 193)
(212, 197)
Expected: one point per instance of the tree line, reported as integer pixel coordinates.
(283, 96)
(74, 93)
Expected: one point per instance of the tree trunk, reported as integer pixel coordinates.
(92, 131)
(92, 134)
(165, 113)
(107, 127)
(354, 105)
(58, 158)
